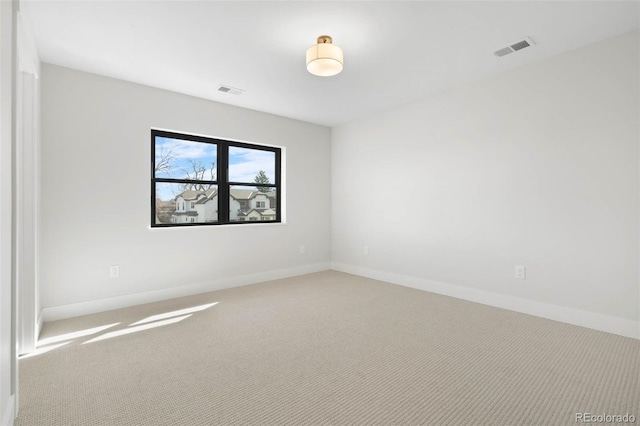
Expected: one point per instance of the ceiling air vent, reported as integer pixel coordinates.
(514, 47)
(230, 90)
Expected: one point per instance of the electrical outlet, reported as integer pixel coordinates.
(366, 250)
(114, 271)
(520, 272)
(303, 250)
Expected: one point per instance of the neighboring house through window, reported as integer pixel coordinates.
(221, 181)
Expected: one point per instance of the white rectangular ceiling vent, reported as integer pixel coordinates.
(514, 47)
(230, 90)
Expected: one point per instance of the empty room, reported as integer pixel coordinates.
(319, 212)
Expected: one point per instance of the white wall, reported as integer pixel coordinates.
(537, 167)
(8, 67)
(96, 152)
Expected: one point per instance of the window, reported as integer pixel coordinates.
(218, 179)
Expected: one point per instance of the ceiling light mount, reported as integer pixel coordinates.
(325, 39)
(325, 58)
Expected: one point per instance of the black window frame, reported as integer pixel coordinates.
(222, 182)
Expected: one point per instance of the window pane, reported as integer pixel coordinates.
(248, 203)
(251, 165)
(178, 203)
(180, 159)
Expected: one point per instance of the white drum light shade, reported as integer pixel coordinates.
(324, 59)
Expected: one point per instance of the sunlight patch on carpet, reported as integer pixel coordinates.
(175, 313)
(74, 335)
(137, 329)
(43, 350)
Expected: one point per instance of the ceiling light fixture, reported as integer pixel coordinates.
(325, 58)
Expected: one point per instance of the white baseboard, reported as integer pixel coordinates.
(593, 320)
(92, 306)
(8, 411)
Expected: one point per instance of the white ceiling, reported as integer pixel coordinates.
(395, 52)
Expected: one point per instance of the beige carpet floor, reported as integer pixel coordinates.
(324, 349)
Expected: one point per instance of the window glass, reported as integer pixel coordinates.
(182, 159)
(251, 165)
(176, 203)
(253, 203)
